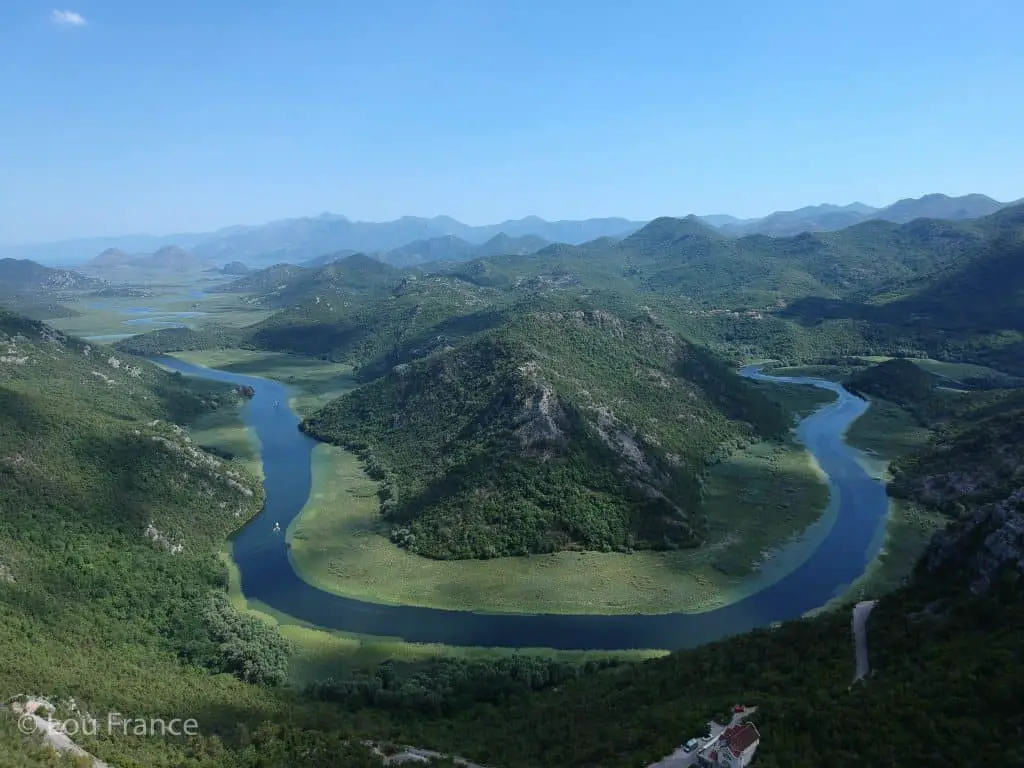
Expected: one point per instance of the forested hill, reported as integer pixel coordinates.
(554, 430)
(355, 277)
(942, 648)
(690, 260)
(110, 585)
(949, 290)
(24, 276)
(97, 474)
(970, 310)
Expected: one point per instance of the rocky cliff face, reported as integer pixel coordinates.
(974, 472)
(985, 544)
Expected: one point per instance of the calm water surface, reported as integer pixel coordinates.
(267, 575)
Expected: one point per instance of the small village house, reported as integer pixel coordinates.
(735, 748)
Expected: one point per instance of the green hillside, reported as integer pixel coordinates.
(210, 336)
(972, 311)
(877, 288)
(265, 281)
(934, 668)
(688, 259)
(25, 276)
(941, 649)
(905, 384)
(974, 459)
(351, 278)
(111, 588)
(578, 429)
(985, 294)
(96, 476)
(414, 317)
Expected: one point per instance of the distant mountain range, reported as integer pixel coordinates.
(23, 276)
(410, 240)
(302, 240)
(234, 268)
(171, 257)
(828, 218)
(447, 248)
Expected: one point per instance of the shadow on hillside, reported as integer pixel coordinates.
(813, 310)
(22, 412)
(450, 331)
(321, 339)
(734, 397)
(278, 731)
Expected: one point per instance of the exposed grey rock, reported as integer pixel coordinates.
(983, 543)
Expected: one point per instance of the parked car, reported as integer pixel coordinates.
(691, 745)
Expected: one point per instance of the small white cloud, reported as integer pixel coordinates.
(67, 18)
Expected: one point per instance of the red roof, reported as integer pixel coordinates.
(740, 737)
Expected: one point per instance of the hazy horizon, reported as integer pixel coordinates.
(183, 232)
(140, 118)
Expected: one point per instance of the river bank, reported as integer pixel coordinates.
(765, 494)
(268, 576)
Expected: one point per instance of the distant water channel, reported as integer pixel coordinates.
(152, 319)
(267, 575)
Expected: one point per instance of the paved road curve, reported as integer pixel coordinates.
(861, 611)
(50, 732)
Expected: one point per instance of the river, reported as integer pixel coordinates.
(859, 502)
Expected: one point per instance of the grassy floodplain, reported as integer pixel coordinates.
(339, 545)
(314, 382)
(102, 316)
(322, 653)
(884, 433)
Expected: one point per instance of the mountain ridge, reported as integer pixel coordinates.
(300, 239)
(25, 275)
(169, 256)
(533, 456)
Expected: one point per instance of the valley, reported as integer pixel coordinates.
(512, 473)
(511, 386)
(267, 574)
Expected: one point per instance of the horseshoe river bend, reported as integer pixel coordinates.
(845, 541)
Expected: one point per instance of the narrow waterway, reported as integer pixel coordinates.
(859, 503)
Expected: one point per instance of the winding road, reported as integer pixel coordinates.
(861, 611)
(844, 541)
(51, 735)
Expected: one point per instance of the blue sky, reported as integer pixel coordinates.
(195, 114)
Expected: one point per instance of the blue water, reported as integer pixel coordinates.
(105, 338)
(267, 574)
(169, 319)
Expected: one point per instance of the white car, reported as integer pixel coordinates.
(691, 745)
